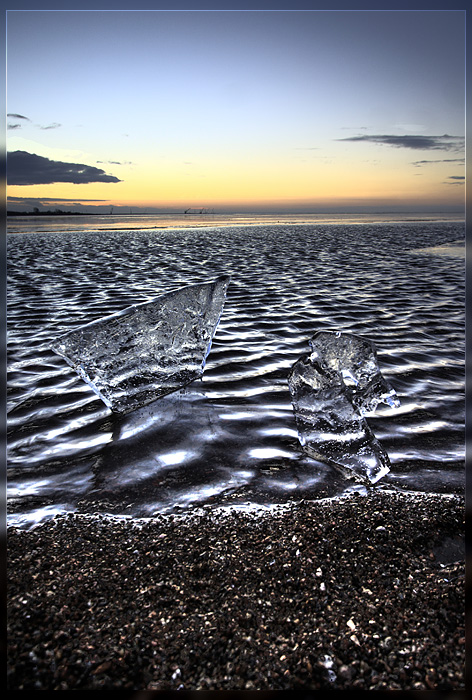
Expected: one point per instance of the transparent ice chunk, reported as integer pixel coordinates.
(332, 389)
(147, 350)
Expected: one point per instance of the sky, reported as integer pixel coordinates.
(236, 110)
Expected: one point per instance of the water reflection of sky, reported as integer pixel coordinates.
(230, 438)
(25, 224)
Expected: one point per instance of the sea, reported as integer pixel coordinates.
(230, 438)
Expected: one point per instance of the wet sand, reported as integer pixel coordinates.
(362, 592)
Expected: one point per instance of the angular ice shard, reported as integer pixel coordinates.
(148, 350)
(332, 389)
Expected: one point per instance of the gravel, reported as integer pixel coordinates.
(364, 592)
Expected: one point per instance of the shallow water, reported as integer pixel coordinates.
(231, 437)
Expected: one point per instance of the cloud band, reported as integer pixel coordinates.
(417, 142)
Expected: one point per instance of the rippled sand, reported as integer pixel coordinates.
(231, 437)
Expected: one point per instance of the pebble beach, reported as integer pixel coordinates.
(362, 592)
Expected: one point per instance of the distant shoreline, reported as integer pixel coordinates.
(85, 213)
(47, 213)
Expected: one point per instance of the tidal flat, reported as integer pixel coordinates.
(231, 435)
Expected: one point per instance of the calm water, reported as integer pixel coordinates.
(230, 437)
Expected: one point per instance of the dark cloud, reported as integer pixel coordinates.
(115, 162)
(455, 180)
(36, 200)
(13, 115)
(418, 163)
(55, 125)
(416, 142)
(29, 169)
